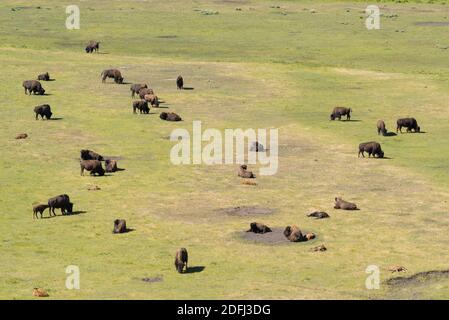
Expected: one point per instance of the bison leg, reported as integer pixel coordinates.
(82, 171)
(348, 116)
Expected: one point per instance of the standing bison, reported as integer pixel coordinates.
(180, 83)
(142, 106)
(341, 111)
(135, 88)
(112, 73)
(44, 77)
(152, 99)
(409, 123)
(43, 111)
(60, 202)
(373, 148)
(94, 166)
(119, 226)
(39, 208)
(381, 128)
(33, 86)
(90, 155)
(181, 259)
(144, 91)
(92, 46)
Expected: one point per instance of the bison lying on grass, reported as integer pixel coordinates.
(169, 116)
(318, 215)
(60, 202)
(44, 77)
(344, 205)
(43, 111)
(258, 228)
(94, 166)
(293, 234)
(409, 123)
(373, 148)
(119, 226)
(111, 165)
(341, 111)
(21, 136)
(33, 86)
(112, 73)
(90, 155)
(181, 259)
(244, 173)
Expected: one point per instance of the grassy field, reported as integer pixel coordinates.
(258, 67)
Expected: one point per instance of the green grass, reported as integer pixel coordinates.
(255, 68)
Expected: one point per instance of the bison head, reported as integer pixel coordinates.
(381, 154)
(332, 116)
(163, 115)
(418, 129)
(42, 91)
(287, 231)
(70, 207)
(120, 80)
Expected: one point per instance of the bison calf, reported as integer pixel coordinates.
(94, 166)
(373, 148)
(409, 123)
(119, 226)
(341, 111)
(39, 208)
(181, 259)
(43, 111)
(258, 228)
(244, 173)
(344, 205)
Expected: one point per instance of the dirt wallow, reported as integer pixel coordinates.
(420, 278)
(246, 211)
(275, 237)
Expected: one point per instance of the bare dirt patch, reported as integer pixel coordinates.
(246, 211)
(420, 278)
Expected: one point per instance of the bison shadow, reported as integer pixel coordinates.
(390, 134)
(188, 88)
(74, 213)
(126, 231)
(49, 80)
(55, 119)
(195, 269)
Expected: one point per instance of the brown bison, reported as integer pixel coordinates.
(90, 155)
(144, 91)
(60, 202)
(293, 234)
(181, 259)
(152, 99)
(258, 228)
(381, 128)
(33, 86)
(142, 106)
(21, 136)
(341, 111)
(372, 147)
(39, 208)
(44, 77)
(169, 116)
(119, 226)
(112, 73)
(180, 83)
(344, 205)
(92, 46)
(409, 123)
(135, 88)
(43, 111)
(244, 173)
(318, 215)
(94, 166)
(111, 165)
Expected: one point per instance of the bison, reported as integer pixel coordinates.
(341, 111)
(169, 116)
(181, 259)
(293, 234)
(94, 166)
(111, 165)
(372, 147)
(142, 106)
(256, 146)
(43, 111)
(21, 136)
(119, 226)
(39, 208)
(135, 88)
(90, 155)
(44, 77)
(92, 46)
(244, 173)
(381, 128)
(344, 205)
(180, 83)
(60, 202)
(318, 215)
(258, 228)
(409, 123)
(144, 91)
(33, 86)
(112, 73)
(152, 99)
